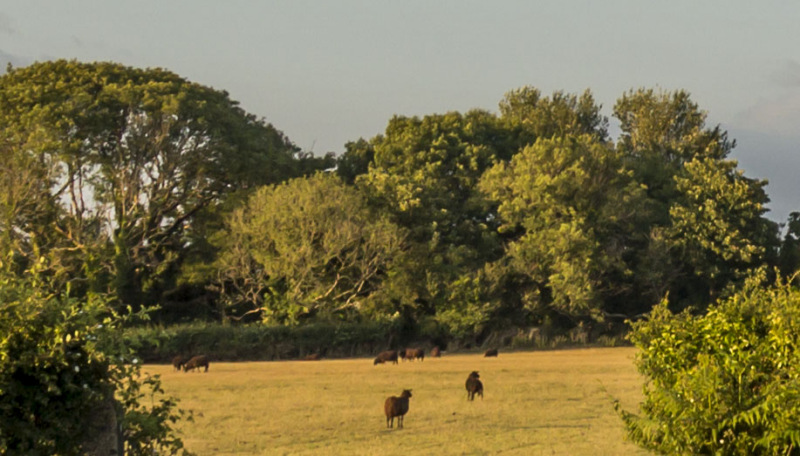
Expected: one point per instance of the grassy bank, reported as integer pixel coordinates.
(536, 403)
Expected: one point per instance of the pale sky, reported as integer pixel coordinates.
(328, 72)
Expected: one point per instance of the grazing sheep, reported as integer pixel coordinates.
(396, 407)
(313, 357)
(474, 386)
(411, 354)
(386, 356)
(178, 362)
(196, 363)
(490, 352)
(436, 352)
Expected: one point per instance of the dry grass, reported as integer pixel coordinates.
(536, 403)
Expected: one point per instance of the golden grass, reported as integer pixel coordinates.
(536, 403)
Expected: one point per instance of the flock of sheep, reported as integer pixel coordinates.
(397, 407)
(393, 407)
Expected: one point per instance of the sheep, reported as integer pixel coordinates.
(178, 362)
(196, 363)
(474, 386)
(313, 357)
(396, 407)
(492, 352)
(384, 356)
(411, 354)
(436, 352)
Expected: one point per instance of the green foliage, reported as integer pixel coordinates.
(59, 364)
(704, 225)
(721, 383)
(127, 163)
(717, 222)
(789, 258)
(529, 116)
(661, 130)
(468, 309)
(264, 342)
(309, 246)
(355, 160)
(571, 206)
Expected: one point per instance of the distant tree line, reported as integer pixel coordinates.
(154, 190)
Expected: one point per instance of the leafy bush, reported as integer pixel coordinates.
(54, 377)
(727, 382)
(259, 342)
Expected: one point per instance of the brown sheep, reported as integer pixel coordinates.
(474, 386)
(492, 352)
(436, 352)
(313, 357)
(196, 363)
(411, 354)
(396, 407)
(178, 362)
(386, 356)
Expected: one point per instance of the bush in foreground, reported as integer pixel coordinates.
(58, 387)
(727, 382)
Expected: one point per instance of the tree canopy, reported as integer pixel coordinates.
(307, 246)
(154, 188)
(125, 163)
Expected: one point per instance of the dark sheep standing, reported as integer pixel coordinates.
(436, 352)
(386, 356)
(396, 407)
(474, 386)
(490, 352)
(178, 362)
(196, 363)
(411, 354)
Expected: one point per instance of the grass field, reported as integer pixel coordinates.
(536, 403)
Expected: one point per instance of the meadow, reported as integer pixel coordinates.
(536, 403)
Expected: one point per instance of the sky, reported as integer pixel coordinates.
(329, 72)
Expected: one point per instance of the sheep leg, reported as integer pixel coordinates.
(400, 422)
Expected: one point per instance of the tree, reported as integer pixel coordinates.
(308, 246)
(424, 174)
(529, 116)
(705, 219)
(724, 382)
(789, 259)
(355, 160)
(718, 228)
(571, 207)
(136, 157)
(661, 131)
(28, 211)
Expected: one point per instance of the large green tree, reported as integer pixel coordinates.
(134, 157)
(310, 246)
(718, 229)
(572, 207)
(705, 219)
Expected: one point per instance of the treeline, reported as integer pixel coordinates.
(158, 191)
